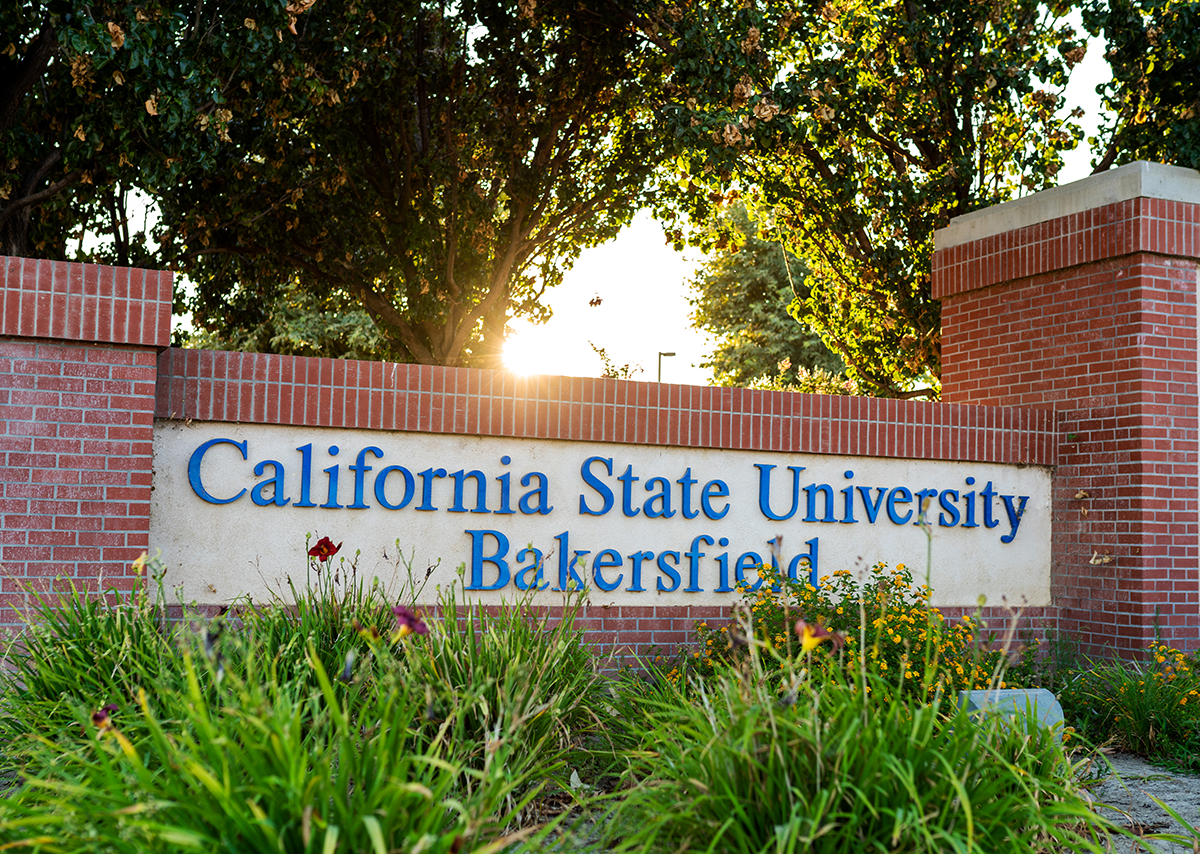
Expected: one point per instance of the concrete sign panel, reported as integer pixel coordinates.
(234, 504)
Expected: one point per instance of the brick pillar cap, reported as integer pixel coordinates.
(1142, 179)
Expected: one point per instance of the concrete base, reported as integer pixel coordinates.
(1027, 703)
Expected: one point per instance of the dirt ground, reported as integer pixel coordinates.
(1126, 790)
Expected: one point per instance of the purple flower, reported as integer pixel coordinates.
(100, 719)
(409, 623)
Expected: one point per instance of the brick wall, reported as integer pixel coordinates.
(1092, 316)
(78, 350)
(270, 389)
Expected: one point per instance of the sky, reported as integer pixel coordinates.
(643, 286)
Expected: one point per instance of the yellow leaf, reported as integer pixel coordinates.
(81, 134)
(117, 34)
(152, 105)
(118, 78)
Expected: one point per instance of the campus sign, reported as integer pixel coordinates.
(234, 504)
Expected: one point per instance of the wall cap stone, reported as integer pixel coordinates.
(1141, 179)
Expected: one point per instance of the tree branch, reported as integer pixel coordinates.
(68, 179)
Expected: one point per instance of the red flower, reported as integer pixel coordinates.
(324, 549)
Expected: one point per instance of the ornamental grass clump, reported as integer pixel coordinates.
(266, 765)
(910, 644)
(1150, 707)
(337, 722)
(767, 757)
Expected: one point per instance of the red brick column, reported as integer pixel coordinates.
(78, 350)
(1082, 300)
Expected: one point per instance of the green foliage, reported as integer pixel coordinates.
(96, 101)
(1153, 98)
(815, 381)
(302, 323)
(856, 131)
(752, 762)
(1150, 708)
(267, 767)
(741, 297)
(333, 723)
(438, 166)
(519, 665)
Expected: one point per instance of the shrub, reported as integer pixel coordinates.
(887, 615)
(268, 767)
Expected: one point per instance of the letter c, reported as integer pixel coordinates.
(194, 470)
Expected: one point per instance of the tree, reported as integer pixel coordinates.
(438, 165)
(1154, 95)
(99, 99)
(858, 131)
(741, 296)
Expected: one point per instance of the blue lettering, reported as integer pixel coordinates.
(714, 489)
(607, 559)
(258, 494)
(480, 491)
(948, 507)
(872, 508)
(542, 493)
(687, 482)
(808, 559)
(381, 487)
(750, 560)
(427, 478)
(636, 574)
(194, 470)
(595, 483)
(1014, 515)
(764, 491)
(664, 498)
(669, 571)
(331, 502)
(810, 492)
(534, 566)
(478, 559)
(305, 476)
(360, 468)
(899, 495)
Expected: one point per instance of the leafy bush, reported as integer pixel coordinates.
(267, 767)
(517, 663)
(887, 615)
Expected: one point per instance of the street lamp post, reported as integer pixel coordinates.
(660, 358)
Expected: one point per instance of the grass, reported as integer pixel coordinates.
(772, 756)
(315, 726)
(343, 722)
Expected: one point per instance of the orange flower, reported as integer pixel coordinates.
(811, 636)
